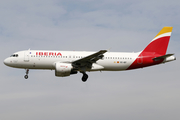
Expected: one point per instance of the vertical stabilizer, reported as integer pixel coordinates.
(160, 42)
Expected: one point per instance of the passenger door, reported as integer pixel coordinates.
(26, 56)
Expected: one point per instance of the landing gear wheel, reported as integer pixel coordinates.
(84, 77)
(26, 76)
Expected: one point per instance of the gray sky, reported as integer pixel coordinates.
(148, 93)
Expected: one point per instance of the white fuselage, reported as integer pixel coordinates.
(40, 59)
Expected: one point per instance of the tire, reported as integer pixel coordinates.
(26, 76)
(84, 77)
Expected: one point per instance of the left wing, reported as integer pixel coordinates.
(87, 62)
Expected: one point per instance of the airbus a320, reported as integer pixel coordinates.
(66, 63)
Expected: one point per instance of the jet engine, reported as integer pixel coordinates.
(64, 69)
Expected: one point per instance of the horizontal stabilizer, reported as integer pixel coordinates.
(162, 57)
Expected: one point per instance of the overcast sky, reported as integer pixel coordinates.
(151, 93)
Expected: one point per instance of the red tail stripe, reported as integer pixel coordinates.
(158, 46)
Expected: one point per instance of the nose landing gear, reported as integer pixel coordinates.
(26, 76)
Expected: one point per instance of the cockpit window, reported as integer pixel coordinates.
(14, 55)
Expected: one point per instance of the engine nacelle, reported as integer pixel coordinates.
(63, 69)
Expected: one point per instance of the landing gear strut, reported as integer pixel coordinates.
(84, 77)
(26, 76)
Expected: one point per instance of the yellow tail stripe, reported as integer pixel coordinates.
(164, 30)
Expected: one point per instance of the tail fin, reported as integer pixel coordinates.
(160, 42)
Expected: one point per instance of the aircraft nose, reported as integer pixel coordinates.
(6, 62)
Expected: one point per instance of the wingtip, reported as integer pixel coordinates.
(104, 50)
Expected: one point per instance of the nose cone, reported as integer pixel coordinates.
(6, 62)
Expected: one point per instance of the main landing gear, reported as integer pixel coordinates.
(84, 77)
(26, 76)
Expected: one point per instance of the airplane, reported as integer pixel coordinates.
(66, 63)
